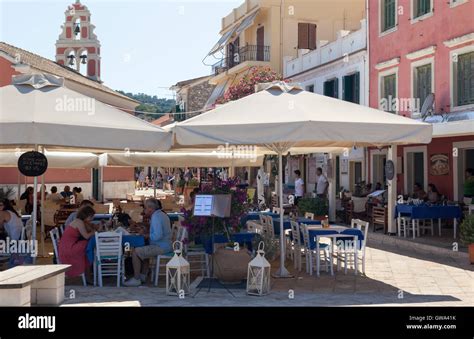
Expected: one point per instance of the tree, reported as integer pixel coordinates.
(246, 85)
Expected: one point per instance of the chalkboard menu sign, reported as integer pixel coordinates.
(32, 164)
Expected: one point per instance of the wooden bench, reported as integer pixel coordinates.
(32, 285)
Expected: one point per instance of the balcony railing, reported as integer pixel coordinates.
(245, 53)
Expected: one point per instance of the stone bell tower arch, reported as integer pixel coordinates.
(77, 46)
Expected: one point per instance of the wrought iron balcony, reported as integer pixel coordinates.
(245, 53)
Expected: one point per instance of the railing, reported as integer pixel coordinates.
(245, 53)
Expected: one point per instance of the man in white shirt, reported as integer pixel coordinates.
(299, 186)
(322, 186)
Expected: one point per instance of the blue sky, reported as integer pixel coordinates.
(146, 44)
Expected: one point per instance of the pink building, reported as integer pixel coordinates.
(419, 47)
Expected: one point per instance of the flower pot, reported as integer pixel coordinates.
(471, 253)
(230, 267)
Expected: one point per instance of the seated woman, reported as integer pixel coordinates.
(418, 192)
(10, 222)
(73, 244)
(433, 194)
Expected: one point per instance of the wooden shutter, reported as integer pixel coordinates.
(465, 79)
(356, 88)
(312, 36)
(388, 14)
(423, 82)
(303, 40)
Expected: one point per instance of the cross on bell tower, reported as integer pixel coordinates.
(77, 46)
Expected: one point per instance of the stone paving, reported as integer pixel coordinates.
(394, 276)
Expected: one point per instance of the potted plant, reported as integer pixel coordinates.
(318, 206)
(467, 235)
(180, 186)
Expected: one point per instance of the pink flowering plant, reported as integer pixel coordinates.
(246, 85)
(202, 226)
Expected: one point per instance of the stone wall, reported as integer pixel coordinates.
(198, 96)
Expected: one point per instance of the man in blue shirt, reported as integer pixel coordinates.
(159, 239)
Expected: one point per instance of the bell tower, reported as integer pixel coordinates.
(77, 46)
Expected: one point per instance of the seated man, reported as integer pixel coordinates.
(159, 239)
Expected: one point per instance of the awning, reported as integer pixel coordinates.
(247, 22)
(237, 29)
(216, 94)
(224, 40)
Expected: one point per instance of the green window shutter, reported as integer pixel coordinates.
(357, 88)
(465, 79)
(389, 12)
(336, 88)
(423, 83)
(389, 89)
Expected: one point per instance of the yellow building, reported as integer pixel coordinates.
(267, 32)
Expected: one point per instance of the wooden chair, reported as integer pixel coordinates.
(61, 215)
(379, 217)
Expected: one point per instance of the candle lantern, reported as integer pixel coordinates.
(258, 276)
(177, 272)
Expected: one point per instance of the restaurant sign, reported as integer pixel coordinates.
(32, 164)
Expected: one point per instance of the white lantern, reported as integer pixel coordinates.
(177, 272)
(258, 276)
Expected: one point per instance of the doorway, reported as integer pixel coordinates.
(416, 168)
(355, 174)
(378, 168)
(260, 44)
(463, 161)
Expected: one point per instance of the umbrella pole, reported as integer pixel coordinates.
(42, 216)
(35, 211)
(282, 271)
(154, 183)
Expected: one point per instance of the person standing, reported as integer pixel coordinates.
(322, 185)
(299, 186)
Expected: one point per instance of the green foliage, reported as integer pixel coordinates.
(181, 183)
(318, 206)
(467, 230)
(193, 182)
(152, 104)
(272, 246)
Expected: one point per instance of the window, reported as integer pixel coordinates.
(464, 79)
(388, 14)
(306, 36)
(350, 87)
(310, 88)
(421, 7)
(388, 92)
(331, 88)
(422, 83)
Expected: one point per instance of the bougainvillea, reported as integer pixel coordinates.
(202, 226)
(246, 84)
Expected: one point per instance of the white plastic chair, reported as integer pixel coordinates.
(346, 254)
(109, 260)
(298, 248)
(55, 238)
(311, 255)
(180, 236)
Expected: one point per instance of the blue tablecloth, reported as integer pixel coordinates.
(174, 216)
(242, 238)
(328, 231)
(132, 240)
(429, 212)
(104, 216)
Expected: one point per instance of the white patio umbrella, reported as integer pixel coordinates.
(181, 159)
(281, 116)
(55, 159)
(37, 110)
